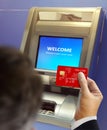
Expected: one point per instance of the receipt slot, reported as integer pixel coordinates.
(60, 36)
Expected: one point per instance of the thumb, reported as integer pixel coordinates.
(83, 83)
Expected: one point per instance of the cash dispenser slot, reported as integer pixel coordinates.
(48, 105)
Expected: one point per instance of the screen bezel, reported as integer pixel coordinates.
(33, 50)
(40, 36)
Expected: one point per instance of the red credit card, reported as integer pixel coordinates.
(67, 76)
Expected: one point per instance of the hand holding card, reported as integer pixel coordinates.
(67, 76)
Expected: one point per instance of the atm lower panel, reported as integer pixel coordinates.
(64, 110)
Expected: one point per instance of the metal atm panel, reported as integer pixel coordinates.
(59, 103)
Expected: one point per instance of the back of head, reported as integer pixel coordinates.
(20, 89)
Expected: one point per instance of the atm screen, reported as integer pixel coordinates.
(54, 51)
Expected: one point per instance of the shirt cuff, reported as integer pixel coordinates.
(77, 123)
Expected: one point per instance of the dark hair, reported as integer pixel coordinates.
(20, 89)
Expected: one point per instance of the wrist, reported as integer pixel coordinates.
(81, 115)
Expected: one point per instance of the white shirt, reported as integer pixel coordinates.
(77, 123)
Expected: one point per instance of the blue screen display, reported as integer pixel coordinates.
(54, 51)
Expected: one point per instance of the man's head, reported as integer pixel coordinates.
(20, 90)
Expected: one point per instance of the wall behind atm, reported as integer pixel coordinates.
(13, 15)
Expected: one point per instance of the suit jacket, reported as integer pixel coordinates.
(90, 125)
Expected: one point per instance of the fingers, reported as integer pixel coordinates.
(83, 83)
(93, 87)
(88, 85)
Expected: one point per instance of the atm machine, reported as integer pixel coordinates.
(59, 36)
